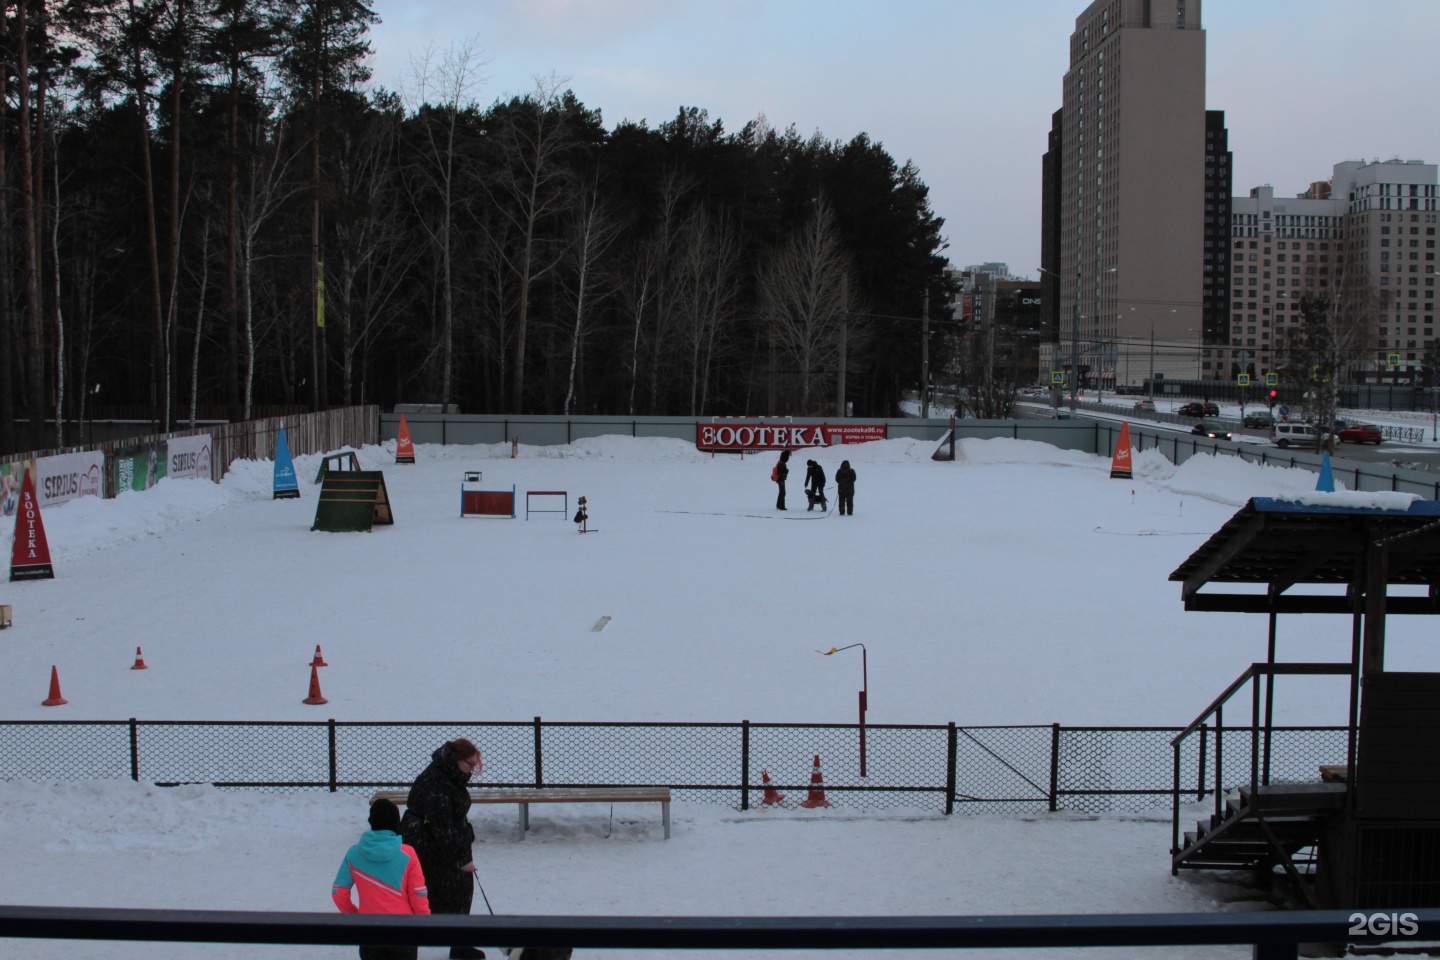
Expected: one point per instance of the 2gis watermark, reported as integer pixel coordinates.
(1382, 924)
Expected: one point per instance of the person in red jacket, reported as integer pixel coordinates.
(388, 874)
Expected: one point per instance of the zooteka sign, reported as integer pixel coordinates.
(732, 438)
(30, 559)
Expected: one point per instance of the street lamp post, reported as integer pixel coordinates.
(864, 688)
(1151, 382)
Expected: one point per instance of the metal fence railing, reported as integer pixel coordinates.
(949, 768)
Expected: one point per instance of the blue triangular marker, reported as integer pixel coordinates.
(1327, 479)
(286, 483)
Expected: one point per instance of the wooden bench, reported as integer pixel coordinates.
(524, 796)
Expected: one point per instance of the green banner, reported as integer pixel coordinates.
(136, 469)
(12, 477)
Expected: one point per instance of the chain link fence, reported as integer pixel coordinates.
(992, 770)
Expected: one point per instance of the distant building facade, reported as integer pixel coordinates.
(1372, 225)
(1132, 156)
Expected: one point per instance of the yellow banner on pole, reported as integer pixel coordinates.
(319, 294)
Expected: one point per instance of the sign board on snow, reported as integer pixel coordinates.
(70, 475)
(188, 458)
(783, 436)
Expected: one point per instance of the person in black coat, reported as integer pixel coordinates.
(782, 470)
(815, 486)
(437, 825)
(845, 484)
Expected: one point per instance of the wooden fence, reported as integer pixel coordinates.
(249, 439)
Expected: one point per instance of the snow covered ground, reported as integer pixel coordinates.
(1017, 585)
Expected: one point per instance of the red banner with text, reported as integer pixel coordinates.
(734, 437)
(30, 559)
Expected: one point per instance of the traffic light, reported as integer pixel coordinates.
(1273, 395)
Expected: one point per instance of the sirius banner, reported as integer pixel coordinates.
(67, 476)
(188, 458)
(734, 437)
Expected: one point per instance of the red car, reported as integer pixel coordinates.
(1360, 433)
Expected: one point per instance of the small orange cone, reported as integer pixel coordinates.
(314, 688)
(319, 660)
(139, 661)
(55, 699)
(817, 789)
(771, 796)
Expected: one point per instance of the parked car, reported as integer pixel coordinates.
(1259, 419)
(1196, 409)
(1145, 405)
(1211, 410)
(1300, 434)
(1360, 433)
(1211, 429)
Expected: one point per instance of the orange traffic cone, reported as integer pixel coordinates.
(771, 796)
(319, 660)
(817, 788)
(139, 661)
(314, 688)
(55, 699)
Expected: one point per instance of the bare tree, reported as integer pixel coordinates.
(708, 287)
(593, 229)
(531, 186)
(802, 297)
(451, 79)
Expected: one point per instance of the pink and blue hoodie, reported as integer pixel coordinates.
(386, 871)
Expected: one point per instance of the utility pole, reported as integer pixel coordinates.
(844, 331)
(925, 356)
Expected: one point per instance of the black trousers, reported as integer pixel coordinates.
(847, 503)
(780, 501)
(371, 952)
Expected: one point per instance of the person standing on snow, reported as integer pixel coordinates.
(815, 486)
(437, 825)
(781, 471)
(389, 875)
(845, 483)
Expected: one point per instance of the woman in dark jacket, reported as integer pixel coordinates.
(845, 484)
(781, 471)
(437, 825)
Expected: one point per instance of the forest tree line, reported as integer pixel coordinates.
(207, 208)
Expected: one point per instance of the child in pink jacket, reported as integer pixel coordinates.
(388, 874)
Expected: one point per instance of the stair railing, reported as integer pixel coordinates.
(1259, 773)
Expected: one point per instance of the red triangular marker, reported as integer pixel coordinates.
(30, 559)
(1120, 466)
(404, 448)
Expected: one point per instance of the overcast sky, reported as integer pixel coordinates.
(964, 88)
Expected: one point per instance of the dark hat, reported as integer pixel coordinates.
(384, 815)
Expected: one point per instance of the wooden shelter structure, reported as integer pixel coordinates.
(1365, 833)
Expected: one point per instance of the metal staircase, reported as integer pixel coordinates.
(1257, 825)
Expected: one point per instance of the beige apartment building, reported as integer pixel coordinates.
(1367, 233)
(1125, 204)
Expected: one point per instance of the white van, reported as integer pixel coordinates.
(1302, 434)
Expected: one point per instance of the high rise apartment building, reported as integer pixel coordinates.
(1125, 203)
(1368, 233)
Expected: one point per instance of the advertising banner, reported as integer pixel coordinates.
(734, 437)
(135, 469)
(30, 556)
(70, 475)
(188, 458)
(12, 476)
(286, 484)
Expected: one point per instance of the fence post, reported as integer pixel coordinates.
(330, 733)
(951, 748)
(134, 750)
(744, 764)
(539, 763)
(1054, 765)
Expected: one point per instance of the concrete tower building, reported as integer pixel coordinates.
(1129, 209)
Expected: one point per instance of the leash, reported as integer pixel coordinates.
(476, 876)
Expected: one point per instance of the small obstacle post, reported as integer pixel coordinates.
(475, 502)
(565, 504)
(817, 789)
(139, 661)
(315, 696)
(6, 613)
(582, 516)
